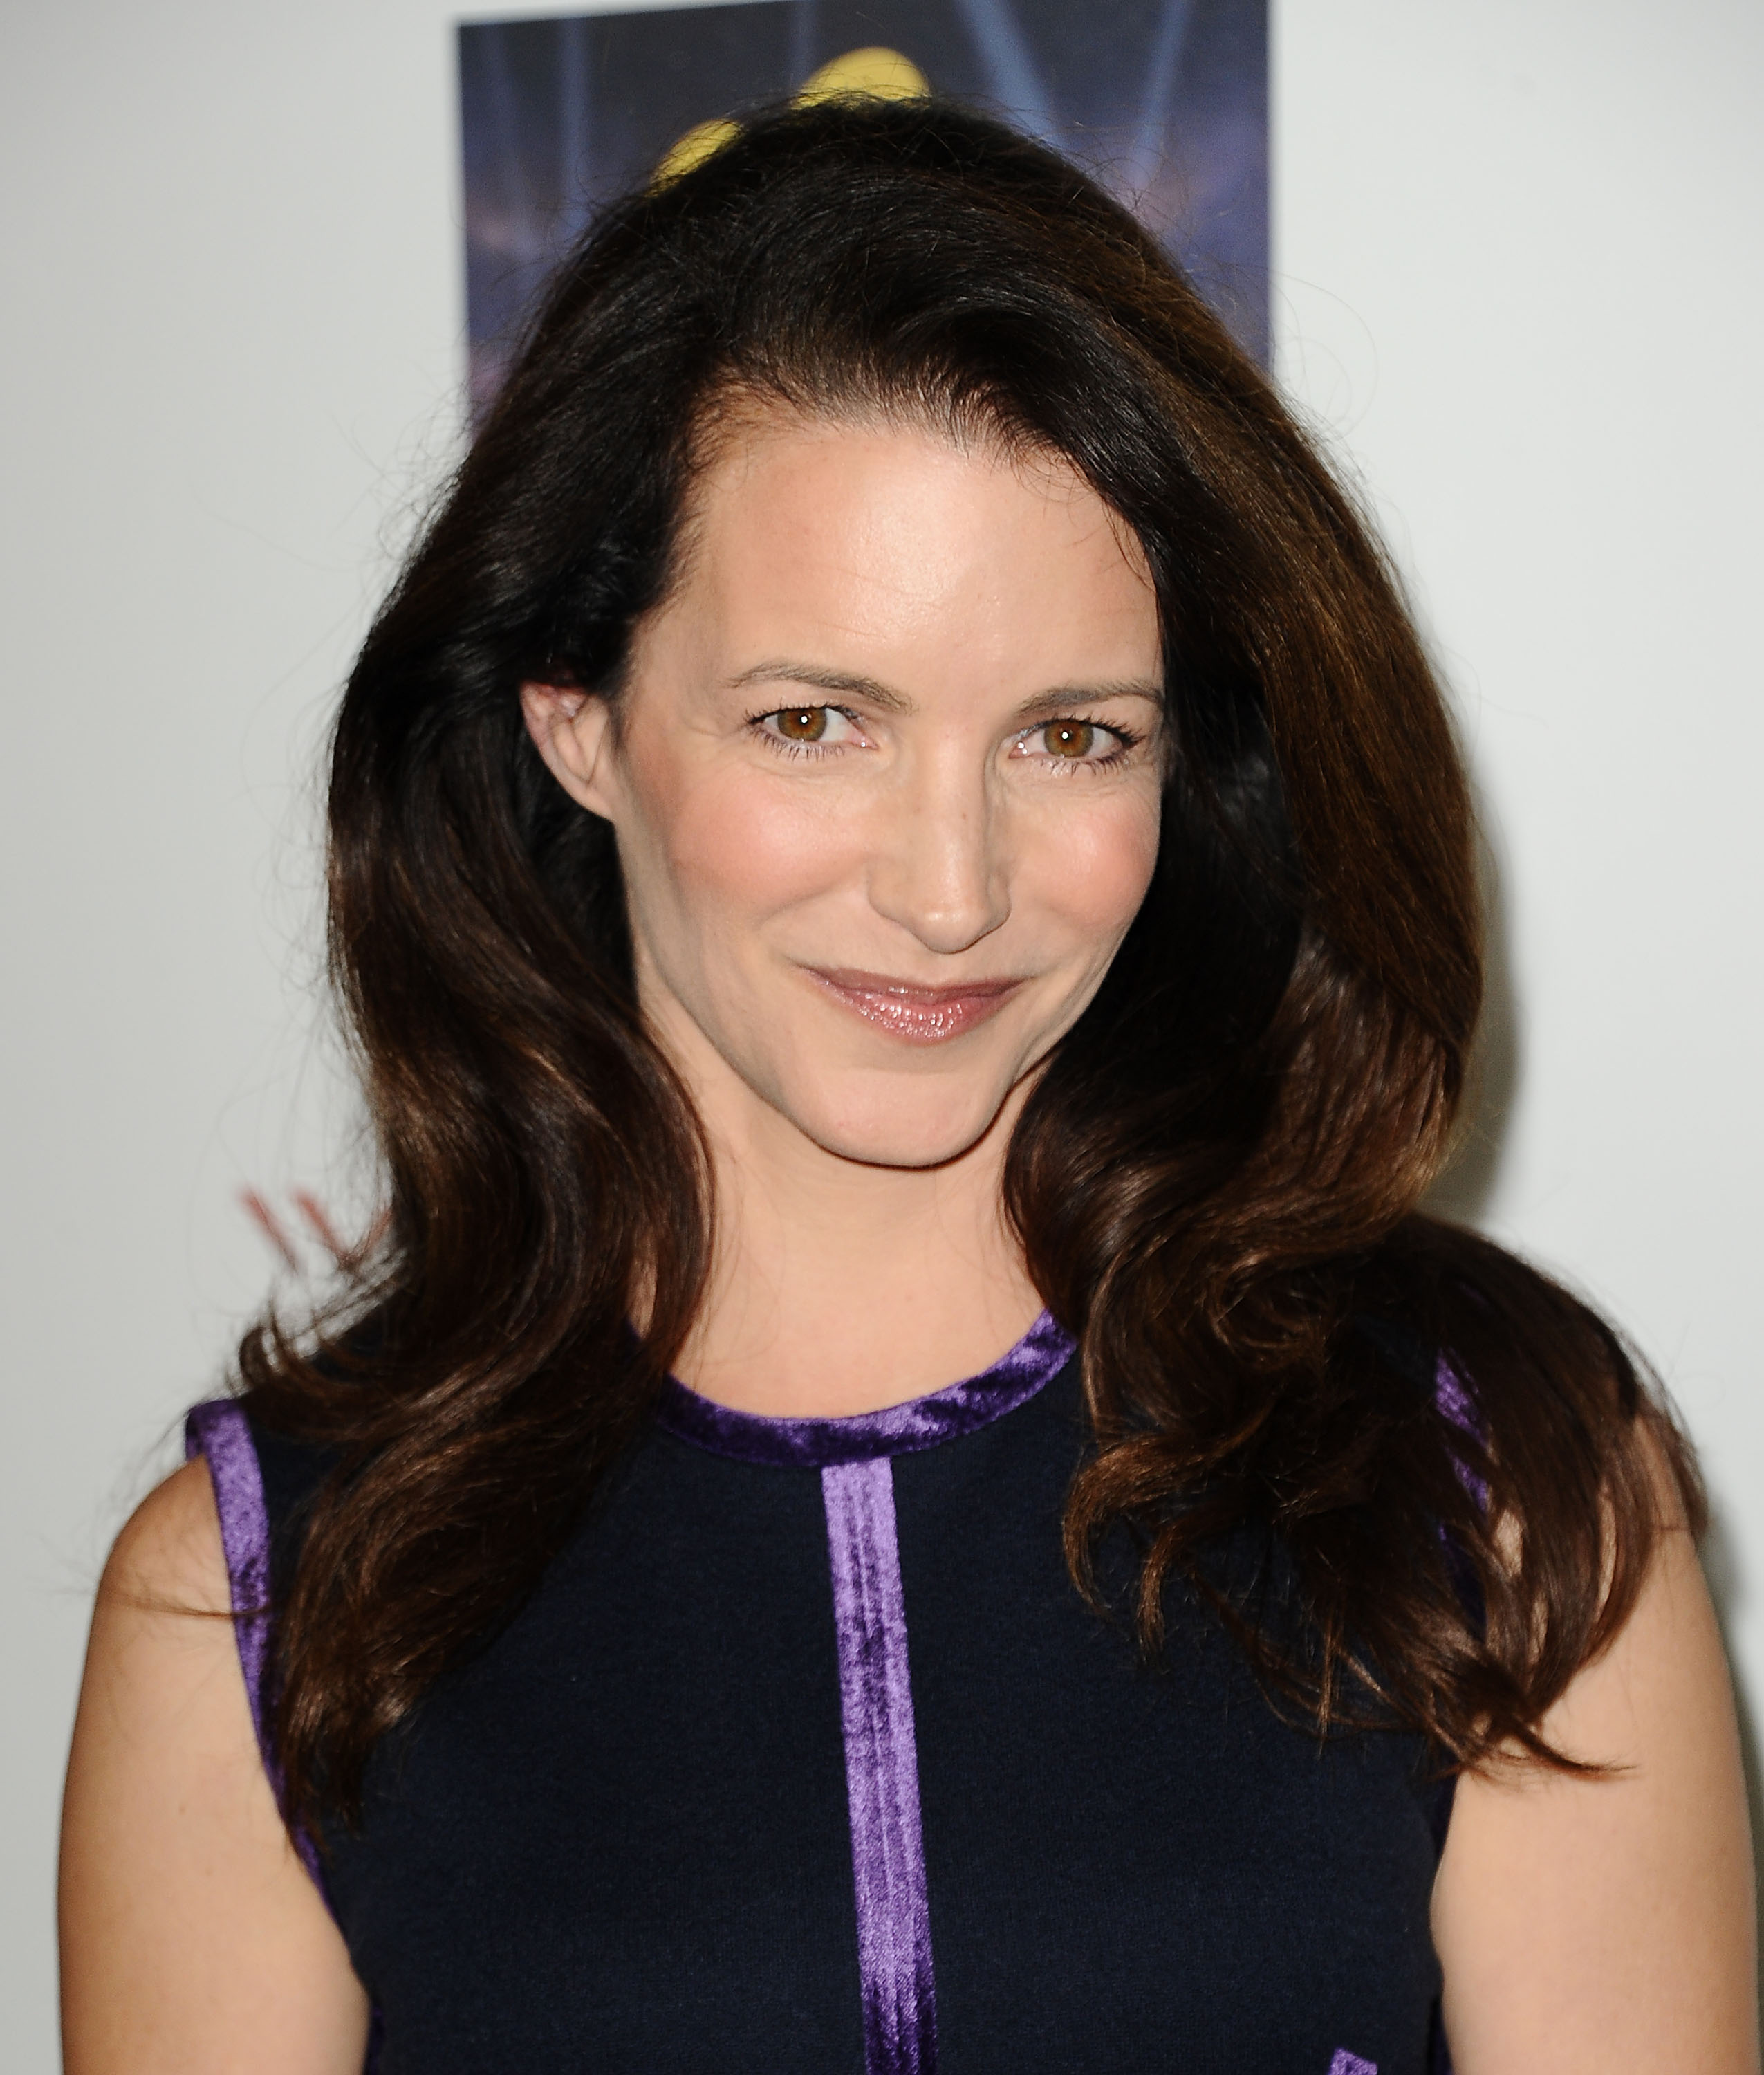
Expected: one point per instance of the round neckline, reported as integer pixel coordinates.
(895, 1430)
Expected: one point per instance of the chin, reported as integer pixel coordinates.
(895, 1127)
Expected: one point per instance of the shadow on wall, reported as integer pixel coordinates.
(1463, 1192)
(1726, 1589)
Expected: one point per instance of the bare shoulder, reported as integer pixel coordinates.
(1596, 1921)
(163, 1694)
(168, 1557)
(193, 1938)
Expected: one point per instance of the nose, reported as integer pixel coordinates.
(939, 866)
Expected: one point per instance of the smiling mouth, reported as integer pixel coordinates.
(920, 1015)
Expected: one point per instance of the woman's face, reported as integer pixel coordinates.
(885, 780)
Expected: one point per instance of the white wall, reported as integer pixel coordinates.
(1518, 256)
(1516, 283)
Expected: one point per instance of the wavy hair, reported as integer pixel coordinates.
(1215, 1178)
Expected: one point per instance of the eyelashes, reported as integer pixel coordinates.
(1069, 743)
(806, 731)
(824, 731)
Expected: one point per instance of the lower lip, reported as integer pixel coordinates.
(920, 1016)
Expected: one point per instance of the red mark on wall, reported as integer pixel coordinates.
(284, 1233)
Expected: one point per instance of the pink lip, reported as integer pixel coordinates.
(920, 1015)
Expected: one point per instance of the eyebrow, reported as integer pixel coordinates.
(1044, 706)
(1039, 706)
(821, 680)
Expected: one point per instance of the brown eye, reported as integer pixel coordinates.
(1072, 739)
(804, 724)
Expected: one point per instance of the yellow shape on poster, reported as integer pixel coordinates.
(874, 74)
(692, 149)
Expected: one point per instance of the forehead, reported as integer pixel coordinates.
(878, 529)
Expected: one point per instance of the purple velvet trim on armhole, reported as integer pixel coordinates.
(1453, 1395)
(897, 1430)
(220, 1433)
(881, 1771)
(1351, 2064)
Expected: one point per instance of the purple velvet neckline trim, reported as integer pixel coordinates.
(897, 1430)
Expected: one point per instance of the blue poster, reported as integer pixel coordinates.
(1164, 102)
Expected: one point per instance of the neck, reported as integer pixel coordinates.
(838, 1287)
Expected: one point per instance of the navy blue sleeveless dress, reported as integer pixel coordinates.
(806, 1756)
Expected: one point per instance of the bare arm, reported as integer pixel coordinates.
(1593, 1924)
(193, 1938)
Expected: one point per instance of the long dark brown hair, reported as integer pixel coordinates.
(1215, 1178)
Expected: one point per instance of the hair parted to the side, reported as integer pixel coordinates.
(1216, 1176)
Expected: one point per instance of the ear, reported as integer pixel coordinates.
(572, 729)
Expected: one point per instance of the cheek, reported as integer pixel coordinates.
(740, 843)
(1092, 872)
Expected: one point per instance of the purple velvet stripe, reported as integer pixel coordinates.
(897, 1430)
(1351, 2064)
(219, 1432)
(881, 1771)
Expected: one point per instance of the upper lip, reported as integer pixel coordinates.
(856, 982)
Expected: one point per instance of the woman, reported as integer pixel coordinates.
(895, 815)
